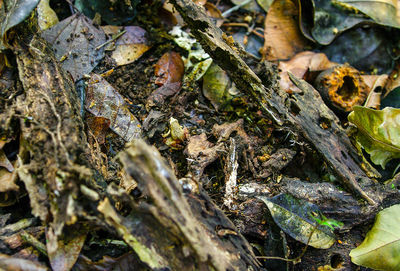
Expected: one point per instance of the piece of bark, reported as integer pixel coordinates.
(206, 238)
(52, 161)
(332, 143)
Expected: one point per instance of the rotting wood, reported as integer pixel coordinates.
(191, 217)
(167, 229)
(336, 149)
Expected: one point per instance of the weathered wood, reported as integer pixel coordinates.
(331, 142)
(208, 240)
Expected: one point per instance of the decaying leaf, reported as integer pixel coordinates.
(323, 20)
(7, 180)
(19, 264)
(74, 42)
(294, 216)
(4, 162)
(12, 13)
(46, 16)
(99, 127)
(282, 35)
(218, 88)
(378, 132)
(127, 261)
(64, 255)
(169, 71)
(131, 45)
(301, 65)
(265, 4)
(201, 152)
(102, 100)
(380, 249)
(392, 99)
(370, 50)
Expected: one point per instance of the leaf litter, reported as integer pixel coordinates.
(234, 153)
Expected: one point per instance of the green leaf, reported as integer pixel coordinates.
(218, 88)
(381, 247)
(382, 11)
(378, 132)
(295, 217)
(15, 12)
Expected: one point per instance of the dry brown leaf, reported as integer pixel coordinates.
(102, 100)
(282, 35)
(4, 162)
(63, 252)
(131, 45)
(299, 65)
(214, 13)
(393, 80)
(202, 152)
(376, 83)
(10, 263)
(74, 41)
(7, 180)
(169, 69)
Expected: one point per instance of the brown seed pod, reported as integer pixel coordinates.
(342, 87)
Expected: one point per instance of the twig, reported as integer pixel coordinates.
(303, 251)
(111, 40)
(226, 13)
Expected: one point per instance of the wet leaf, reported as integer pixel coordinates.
(102, 100)
(218, 88)
(169, 69)
(12, 13)
(381, 247)
(282, 35)
(74, 42)
(378, 132)
(63, 256)
(293, 216)
(365, 48)
(301, 65)
(46, 16)
(99, 127)
(131, 45)
(112, 12)
(383, 11)
(392, 99)
(10, 263)
(323, 21)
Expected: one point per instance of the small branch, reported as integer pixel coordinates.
(111, 40)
